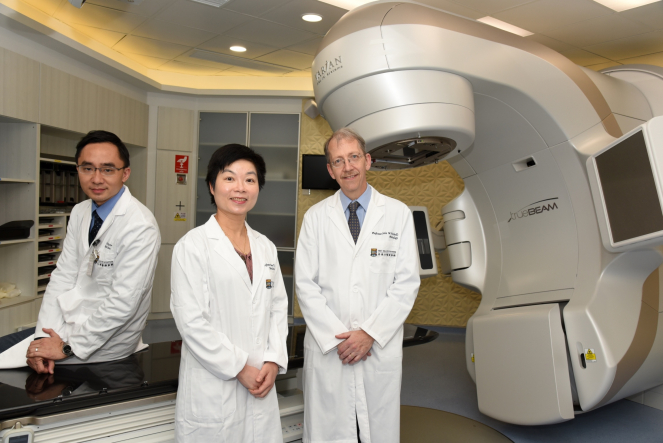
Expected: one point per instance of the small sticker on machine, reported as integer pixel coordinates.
(590, 356)
(180, 216)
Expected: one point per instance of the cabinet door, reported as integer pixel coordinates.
(19, 81)
(175, 129)
(216, 129)
(276, 138)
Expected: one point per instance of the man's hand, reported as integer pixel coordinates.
(41, 365)
(47, 348)
(248, 377)
(356, 347)
(265, 379)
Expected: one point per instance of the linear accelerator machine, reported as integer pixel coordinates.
(559, 226)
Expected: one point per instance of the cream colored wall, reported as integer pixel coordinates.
(440, 301)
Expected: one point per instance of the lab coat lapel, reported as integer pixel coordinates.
(374, 214)
(335, 212)
(85, 228)
(258, 260)
(225, 249)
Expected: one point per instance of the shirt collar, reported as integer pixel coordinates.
(104, 210)
(364, 199)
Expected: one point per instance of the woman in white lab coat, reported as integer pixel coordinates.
(230, 306)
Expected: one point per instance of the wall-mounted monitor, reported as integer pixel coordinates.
(315, 174)
(626, 186)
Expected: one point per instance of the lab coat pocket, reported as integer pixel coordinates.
(383, 258)
(103, 269)
(210, 397)
(383, 265)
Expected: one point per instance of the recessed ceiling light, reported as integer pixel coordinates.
(238, 48)
(505, 26)
(311, 18)
(623, 5)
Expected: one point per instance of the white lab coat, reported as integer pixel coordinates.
(341, 287)
(226, 322)
(103, 315)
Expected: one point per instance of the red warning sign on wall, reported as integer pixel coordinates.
(182, 164)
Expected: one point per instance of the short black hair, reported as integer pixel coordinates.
(99, 136)
(229, 154)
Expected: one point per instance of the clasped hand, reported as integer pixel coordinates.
(356, 346)
(258, 382)
(43, 352)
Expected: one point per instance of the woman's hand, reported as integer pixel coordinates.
(248, 377)
(265, 379)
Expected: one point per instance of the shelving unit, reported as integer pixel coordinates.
(18, 201)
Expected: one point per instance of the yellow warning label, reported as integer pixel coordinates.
(590, 355)
(472, 357)
(180, 216)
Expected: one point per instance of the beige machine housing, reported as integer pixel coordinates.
(565, 325)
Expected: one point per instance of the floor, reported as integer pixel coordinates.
(434, 376)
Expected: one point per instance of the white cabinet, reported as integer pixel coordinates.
(276, 138)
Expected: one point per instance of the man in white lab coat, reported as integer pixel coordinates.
(96, 303)
(357, 277)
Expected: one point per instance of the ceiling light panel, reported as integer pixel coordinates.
(623, 5)
(291, 14)
(238, 48)
(505, 26)
(311, 18)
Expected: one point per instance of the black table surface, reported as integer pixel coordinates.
(151, 372)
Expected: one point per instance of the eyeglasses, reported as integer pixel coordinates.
(105, 170)
(353, 159)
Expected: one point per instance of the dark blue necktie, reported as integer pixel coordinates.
(353, 221)
(95, 228)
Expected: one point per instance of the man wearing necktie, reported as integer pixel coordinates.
(357, 277)
(98, 298)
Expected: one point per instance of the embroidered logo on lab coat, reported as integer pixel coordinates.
(382, 253)
(269, 284)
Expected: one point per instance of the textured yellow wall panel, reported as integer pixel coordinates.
(440, 302)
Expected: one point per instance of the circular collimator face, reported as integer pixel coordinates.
(313, 18)
(411, 153)
(238, 48)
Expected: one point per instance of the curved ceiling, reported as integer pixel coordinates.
(183, 46)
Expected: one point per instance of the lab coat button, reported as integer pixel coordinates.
(355, 289)
(257, 341)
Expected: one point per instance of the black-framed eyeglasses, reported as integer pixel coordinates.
(105, 170)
